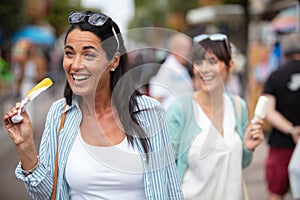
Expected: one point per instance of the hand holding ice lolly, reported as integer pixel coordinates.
(261, 108)
(32, 94)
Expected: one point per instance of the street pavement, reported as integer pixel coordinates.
(255, 175)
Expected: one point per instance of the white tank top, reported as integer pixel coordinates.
(113, 172)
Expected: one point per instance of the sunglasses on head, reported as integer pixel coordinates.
(96, 19)
(213, 37)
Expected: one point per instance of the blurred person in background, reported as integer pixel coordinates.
(33, 69)
(30, 66)
(173, 78)
(210, 132)
(113, 143)
(234, 84)
(18, 58)
(283, 91)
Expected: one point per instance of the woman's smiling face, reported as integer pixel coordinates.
(211, 74)
(85, 63)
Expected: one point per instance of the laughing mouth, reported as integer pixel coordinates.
(80, 77)
(207, 78)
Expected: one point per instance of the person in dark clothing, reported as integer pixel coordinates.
(283, 91)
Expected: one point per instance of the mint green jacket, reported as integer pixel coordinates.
(183, 129)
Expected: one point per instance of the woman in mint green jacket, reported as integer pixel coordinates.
(209, 130)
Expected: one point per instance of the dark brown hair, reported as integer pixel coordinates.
(123, 99)
(218, 48)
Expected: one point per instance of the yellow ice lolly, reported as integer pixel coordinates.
(32, 94)
(39, 88)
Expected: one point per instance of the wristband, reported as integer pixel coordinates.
(28, 172)
(291, 131)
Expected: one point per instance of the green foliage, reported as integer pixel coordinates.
(141, 3)
(182, 5)
(149, 13)
(234, 1)
(58, 15)
(5, 73)
(154, 12)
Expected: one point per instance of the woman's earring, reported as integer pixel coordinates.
(112, 69)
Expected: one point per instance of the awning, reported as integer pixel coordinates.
(275, 6)
(216, 13)
(285, 20)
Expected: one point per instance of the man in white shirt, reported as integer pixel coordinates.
(173, 79)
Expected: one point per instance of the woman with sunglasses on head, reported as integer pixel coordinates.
(211, 137)
(113, 143)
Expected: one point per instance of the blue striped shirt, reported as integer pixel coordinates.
(160, 174)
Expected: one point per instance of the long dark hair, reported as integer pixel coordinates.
(122, 99)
